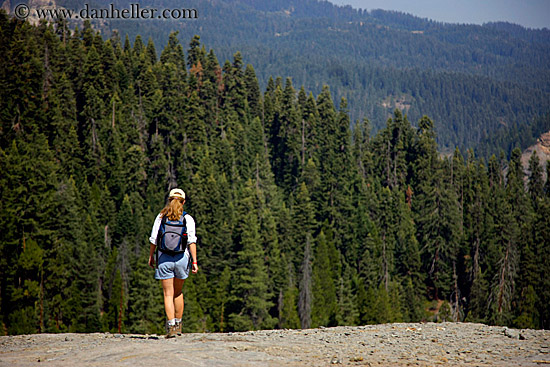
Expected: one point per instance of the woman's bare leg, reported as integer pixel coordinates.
(168, 290)
(178, 297)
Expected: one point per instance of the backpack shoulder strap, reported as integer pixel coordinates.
(184, 221)
(162, 223)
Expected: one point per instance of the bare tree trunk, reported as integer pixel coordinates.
(388, 169)
(106, 236)
(385, 263)
(221, 317)
(433, 270)
(113, 115)
(475, 267)
(456, 291)
(41, 298)
(257, 175)
(280, 303)
(121, 304)
(46, 83)
(64, 32)
(303, 142)
(94, 136)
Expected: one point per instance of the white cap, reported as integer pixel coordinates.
(177, 193)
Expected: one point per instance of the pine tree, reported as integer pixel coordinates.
(535, 183)
(28, 185)
(288, 312)
(385, 252)
(387, 308)
(250, 290)
(392, 145)
(286, 154)
(408, 263)
(324, 307)
(306, 283)
(303, 224)
(477, 238)
(210, 94)
(194, 316)
(503, 251)
(173, 52)
(24, 319)
(145, 302)
(526, 298)
(547, 184)
(235, 91)
(437, 214)
(64, 121)
(192, 134)
(348, 313)
(91, 128)
(195, 54)
(253, 95)
(21, 81)
(60, 269)
(113, 294)
(151, 52)
(541, 252)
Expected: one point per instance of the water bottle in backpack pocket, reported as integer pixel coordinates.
(172, 236)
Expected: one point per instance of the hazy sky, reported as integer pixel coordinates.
(528, 13)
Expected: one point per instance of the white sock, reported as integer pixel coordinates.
(178, 321)
(172, 322)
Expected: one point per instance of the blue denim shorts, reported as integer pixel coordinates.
(172, 266)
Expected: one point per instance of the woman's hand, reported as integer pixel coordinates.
(152, 255)
(195, 267)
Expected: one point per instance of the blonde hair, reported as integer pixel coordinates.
(174, 209)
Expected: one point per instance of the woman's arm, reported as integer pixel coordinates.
(152, 255)
(192, 240)
(193, 251)
(153, 240)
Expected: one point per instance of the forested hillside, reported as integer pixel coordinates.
(302, 221)
(475, 82)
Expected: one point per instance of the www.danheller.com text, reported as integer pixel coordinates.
(134, 11)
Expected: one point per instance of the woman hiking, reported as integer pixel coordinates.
(174, 233)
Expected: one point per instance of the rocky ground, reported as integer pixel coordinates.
(451, 344)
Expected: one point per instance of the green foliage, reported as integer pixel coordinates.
(250, 291)
(303, 220)
(324, 306)
(288, 315)
(194, 319)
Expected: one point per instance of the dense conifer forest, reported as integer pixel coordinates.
(302, 220)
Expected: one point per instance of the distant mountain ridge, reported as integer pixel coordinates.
(471, 80)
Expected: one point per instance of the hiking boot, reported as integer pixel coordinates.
(178, 328)
(171, 331)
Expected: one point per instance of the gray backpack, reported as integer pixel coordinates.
(172, 236)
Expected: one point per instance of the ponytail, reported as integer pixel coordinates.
(174, 209)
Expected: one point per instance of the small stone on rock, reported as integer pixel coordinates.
(335, 360)
(514, 334)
